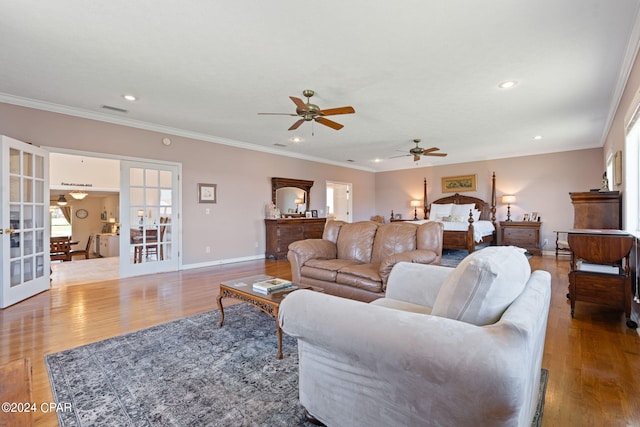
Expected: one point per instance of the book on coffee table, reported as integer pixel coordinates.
(271, 285)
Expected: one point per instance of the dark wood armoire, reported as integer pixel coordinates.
(597, 210)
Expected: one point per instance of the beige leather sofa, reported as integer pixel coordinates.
(445, 347)
(353, 260)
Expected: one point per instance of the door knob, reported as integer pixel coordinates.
(8, 231)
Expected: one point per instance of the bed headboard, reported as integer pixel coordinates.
(487, 209)
(459, 199)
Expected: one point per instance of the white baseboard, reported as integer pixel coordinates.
(221, 262)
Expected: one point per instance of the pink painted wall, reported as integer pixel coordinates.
(235, 227)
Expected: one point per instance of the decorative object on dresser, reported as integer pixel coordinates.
(600, 272)
(280, 233)
(508, 199)
(597, 210)
(524, 234)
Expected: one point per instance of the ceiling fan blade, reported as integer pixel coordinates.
(299, 103)
(416, 157)
(404, 155)
(297, 124)
(330, 123)
(429, 150)
(277, 114)
(336, 111)
(435, 154)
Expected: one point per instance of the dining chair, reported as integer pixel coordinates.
(60, 249)
(86, 251)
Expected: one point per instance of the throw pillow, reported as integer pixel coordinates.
(438, 212)
(483, 285)
(463, 210)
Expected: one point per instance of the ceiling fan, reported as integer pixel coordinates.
(418, 151)
(308, 111)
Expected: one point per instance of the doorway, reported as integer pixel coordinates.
(104, 213)
(339, 201)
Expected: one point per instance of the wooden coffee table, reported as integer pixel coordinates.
(242, 289)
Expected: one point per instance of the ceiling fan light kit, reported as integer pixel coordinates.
(311, 112)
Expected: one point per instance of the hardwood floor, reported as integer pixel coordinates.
(593, 362)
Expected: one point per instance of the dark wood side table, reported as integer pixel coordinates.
(524, 234)
(606, 280)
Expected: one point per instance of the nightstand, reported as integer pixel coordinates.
(524, 234)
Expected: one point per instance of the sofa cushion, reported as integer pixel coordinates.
(401, 305)
(360, 282)
(355, 241)
(368, 271)
(393, 238)
(325, 269)
(483, 285)
(332, 229)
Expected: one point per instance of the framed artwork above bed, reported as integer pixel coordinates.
(458, 184)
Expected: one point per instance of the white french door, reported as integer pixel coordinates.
(24, 220)
(149, 221)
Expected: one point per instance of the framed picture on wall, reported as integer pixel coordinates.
(458, 184)
(207, 193)
(617, 168)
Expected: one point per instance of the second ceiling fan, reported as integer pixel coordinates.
(418, 151)
(308, 112)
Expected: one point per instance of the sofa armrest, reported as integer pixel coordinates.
(417, 256)
(303, 250)
(416, 283)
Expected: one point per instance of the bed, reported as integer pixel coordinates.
(467, 231)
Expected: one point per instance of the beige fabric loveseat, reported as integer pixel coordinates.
(353, 260)
(445, 347)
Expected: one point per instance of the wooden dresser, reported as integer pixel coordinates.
(523, 234)
(282, 232)
(597, 210)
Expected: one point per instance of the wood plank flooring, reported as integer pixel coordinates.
(593, 359)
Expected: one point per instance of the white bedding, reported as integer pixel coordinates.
(481, 228)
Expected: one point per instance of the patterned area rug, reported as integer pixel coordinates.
(186, 373)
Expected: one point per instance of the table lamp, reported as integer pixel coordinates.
(414, 204)
(508, 200)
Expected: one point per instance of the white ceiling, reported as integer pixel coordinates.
(411, 69)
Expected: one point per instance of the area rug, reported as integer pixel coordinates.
(187, 372)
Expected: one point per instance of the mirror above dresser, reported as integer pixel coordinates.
(291, 196)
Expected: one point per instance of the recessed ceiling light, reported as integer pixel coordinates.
(377, 160)
(537, 137)
(296, 139)
(129, 97)
(508, 84)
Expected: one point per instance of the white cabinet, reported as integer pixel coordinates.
(107, 245)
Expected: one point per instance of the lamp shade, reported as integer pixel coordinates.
(508, 199)
(299, 201)
(62, 201)
(415, 203)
